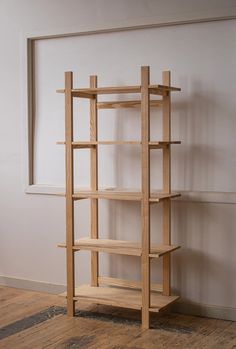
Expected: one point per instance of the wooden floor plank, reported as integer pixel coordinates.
(101, 326)
(25, 304)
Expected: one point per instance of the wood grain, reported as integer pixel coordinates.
(69, 192)
(145, 196)
(130, 248)
(145, 209)
(119, 194)
(166, 122)
(93, 326)
(92, 144)
(122, 297)
(94, 182)
(154, 89)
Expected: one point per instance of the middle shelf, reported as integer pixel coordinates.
(92, 144)
(119, 194)
(122, 247)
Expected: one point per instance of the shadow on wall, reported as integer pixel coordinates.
(204, 125)
(202, 266)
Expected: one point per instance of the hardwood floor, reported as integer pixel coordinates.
(33, 320)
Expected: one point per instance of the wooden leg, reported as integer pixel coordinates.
(145, 260)
(70, 284)
(94, 234)
(167, 241)
(145, 292)
(166, 110)
(69, 193)
(94, 182)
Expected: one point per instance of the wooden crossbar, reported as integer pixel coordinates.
(104, 280)
(126, 104)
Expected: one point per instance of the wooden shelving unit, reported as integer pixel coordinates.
(142, 295)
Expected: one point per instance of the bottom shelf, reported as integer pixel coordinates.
(121, 297)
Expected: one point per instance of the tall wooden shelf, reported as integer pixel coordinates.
(142, 295)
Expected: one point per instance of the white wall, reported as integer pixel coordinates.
(31, 225)
(203, 115)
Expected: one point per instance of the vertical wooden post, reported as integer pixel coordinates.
(145, 260)
(166, 80)
(69, 192)
(94, 182)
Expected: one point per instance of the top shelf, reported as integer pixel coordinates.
(161, 90)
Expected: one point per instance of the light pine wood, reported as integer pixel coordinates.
(145, 208)
(84, 93)
(162, 89)
(89, 331)
(120, 194)
(105, 90)
(162, 144)
(109, 281)
(69, 192)
(92, 144)
(80, 144)
(119, 143)
(94, 182)
(122, 297)
(112, 194)
(126, 104)
(167, 240)
(123, 293)
(123, 247)
(167, 86)
(166, 78)
(90, 92)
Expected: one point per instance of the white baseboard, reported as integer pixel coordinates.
(205, 310)
(32, 285)
(182, 306)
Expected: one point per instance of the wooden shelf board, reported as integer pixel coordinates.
(122, 247)
(119, 142)
(119, 194)
(114, 194)
(162, 89)
(92, 144)
(161, 144)
(165, 87)
(90, 92)
(159, 196)
(108, 194)
(81, 144)
(121, 297)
